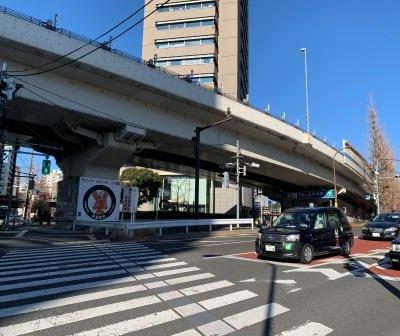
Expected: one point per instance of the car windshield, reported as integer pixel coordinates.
(295, 220)
(392, 217)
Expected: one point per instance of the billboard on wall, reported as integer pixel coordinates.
(130, 196)
(98, 200)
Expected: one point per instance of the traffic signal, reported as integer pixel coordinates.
(7, 87)
(225, 181)
(46, 166)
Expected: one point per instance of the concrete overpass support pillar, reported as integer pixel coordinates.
(98, 161)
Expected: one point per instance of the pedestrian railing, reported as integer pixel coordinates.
(130, 227)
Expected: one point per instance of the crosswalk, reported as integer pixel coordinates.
(122, 288)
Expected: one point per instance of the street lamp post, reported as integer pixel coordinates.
(304, 50)
(196, 140)
(334, 171)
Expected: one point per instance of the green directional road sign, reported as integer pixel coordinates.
(329, 194)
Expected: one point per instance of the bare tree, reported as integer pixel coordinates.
(382, 160)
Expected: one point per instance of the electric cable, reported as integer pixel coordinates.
(73, 101)
(86, 44)
(92, 51)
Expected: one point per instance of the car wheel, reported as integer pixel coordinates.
(396, 265)
(307, 254)
(346, 248)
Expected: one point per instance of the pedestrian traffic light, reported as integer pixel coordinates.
(46, 166)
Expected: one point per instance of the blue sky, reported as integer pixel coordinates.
(353, 51)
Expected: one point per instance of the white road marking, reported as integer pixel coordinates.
(34, 307)
(170, 295)
(49, 274)
(176, 271)
(53, 263)
(64, 289)
(189, 309)
(21, 233)
(79, 315)
(61, 280)
(308, 329)
(200, 276)
(29, 262)
(206, 287)
(216, 328)
(330, 273)
(225, 300)
(255, 315)
(132, 325)
(77, 265)
(190, 332)
(155, 261)
(294, 290)
(286, 282)
(154, 267)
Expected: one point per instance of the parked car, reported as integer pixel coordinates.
(394, 253)
(302, 233)
(385, 225)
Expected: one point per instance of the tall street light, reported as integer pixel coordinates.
(334, 171)
(304, 50)
(196, 140)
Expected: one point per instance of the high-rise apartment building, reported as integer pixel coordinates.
(206, 40)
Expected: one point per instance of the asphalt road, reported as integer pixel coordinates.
(201, 286)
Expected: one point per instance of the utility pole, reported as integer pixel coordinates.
(378, 204)
(27, 188)
(10, 186)
(238, 180)
(3, 101)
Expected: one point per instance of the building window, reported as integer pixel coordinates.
(203, 79)
(188, 6)
(185, 42)
(185, 61)
(185, 24)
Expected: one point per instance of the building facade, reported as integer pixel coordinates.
(203, 40)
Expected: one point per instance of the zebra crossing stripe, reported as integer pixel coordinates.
(155, 261)
(64, 289)
(132, 325)
(176, 271)
(61, 280)
(27, 252)
(79, 315)
(30, 261)
(255, 315)
(221, 301)
(34, 307)
(53, 263)
(189, 278)
(190, 332)
(206, 287)
(78, 265)
(216, 328)
(55, 273)
(310, 328)
(154, 267)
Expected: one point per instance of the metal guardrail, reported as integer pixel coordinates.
(129, 227)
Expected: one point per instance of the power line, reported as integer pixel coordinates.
(92, 51)
(86, 44)
(73, 101)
